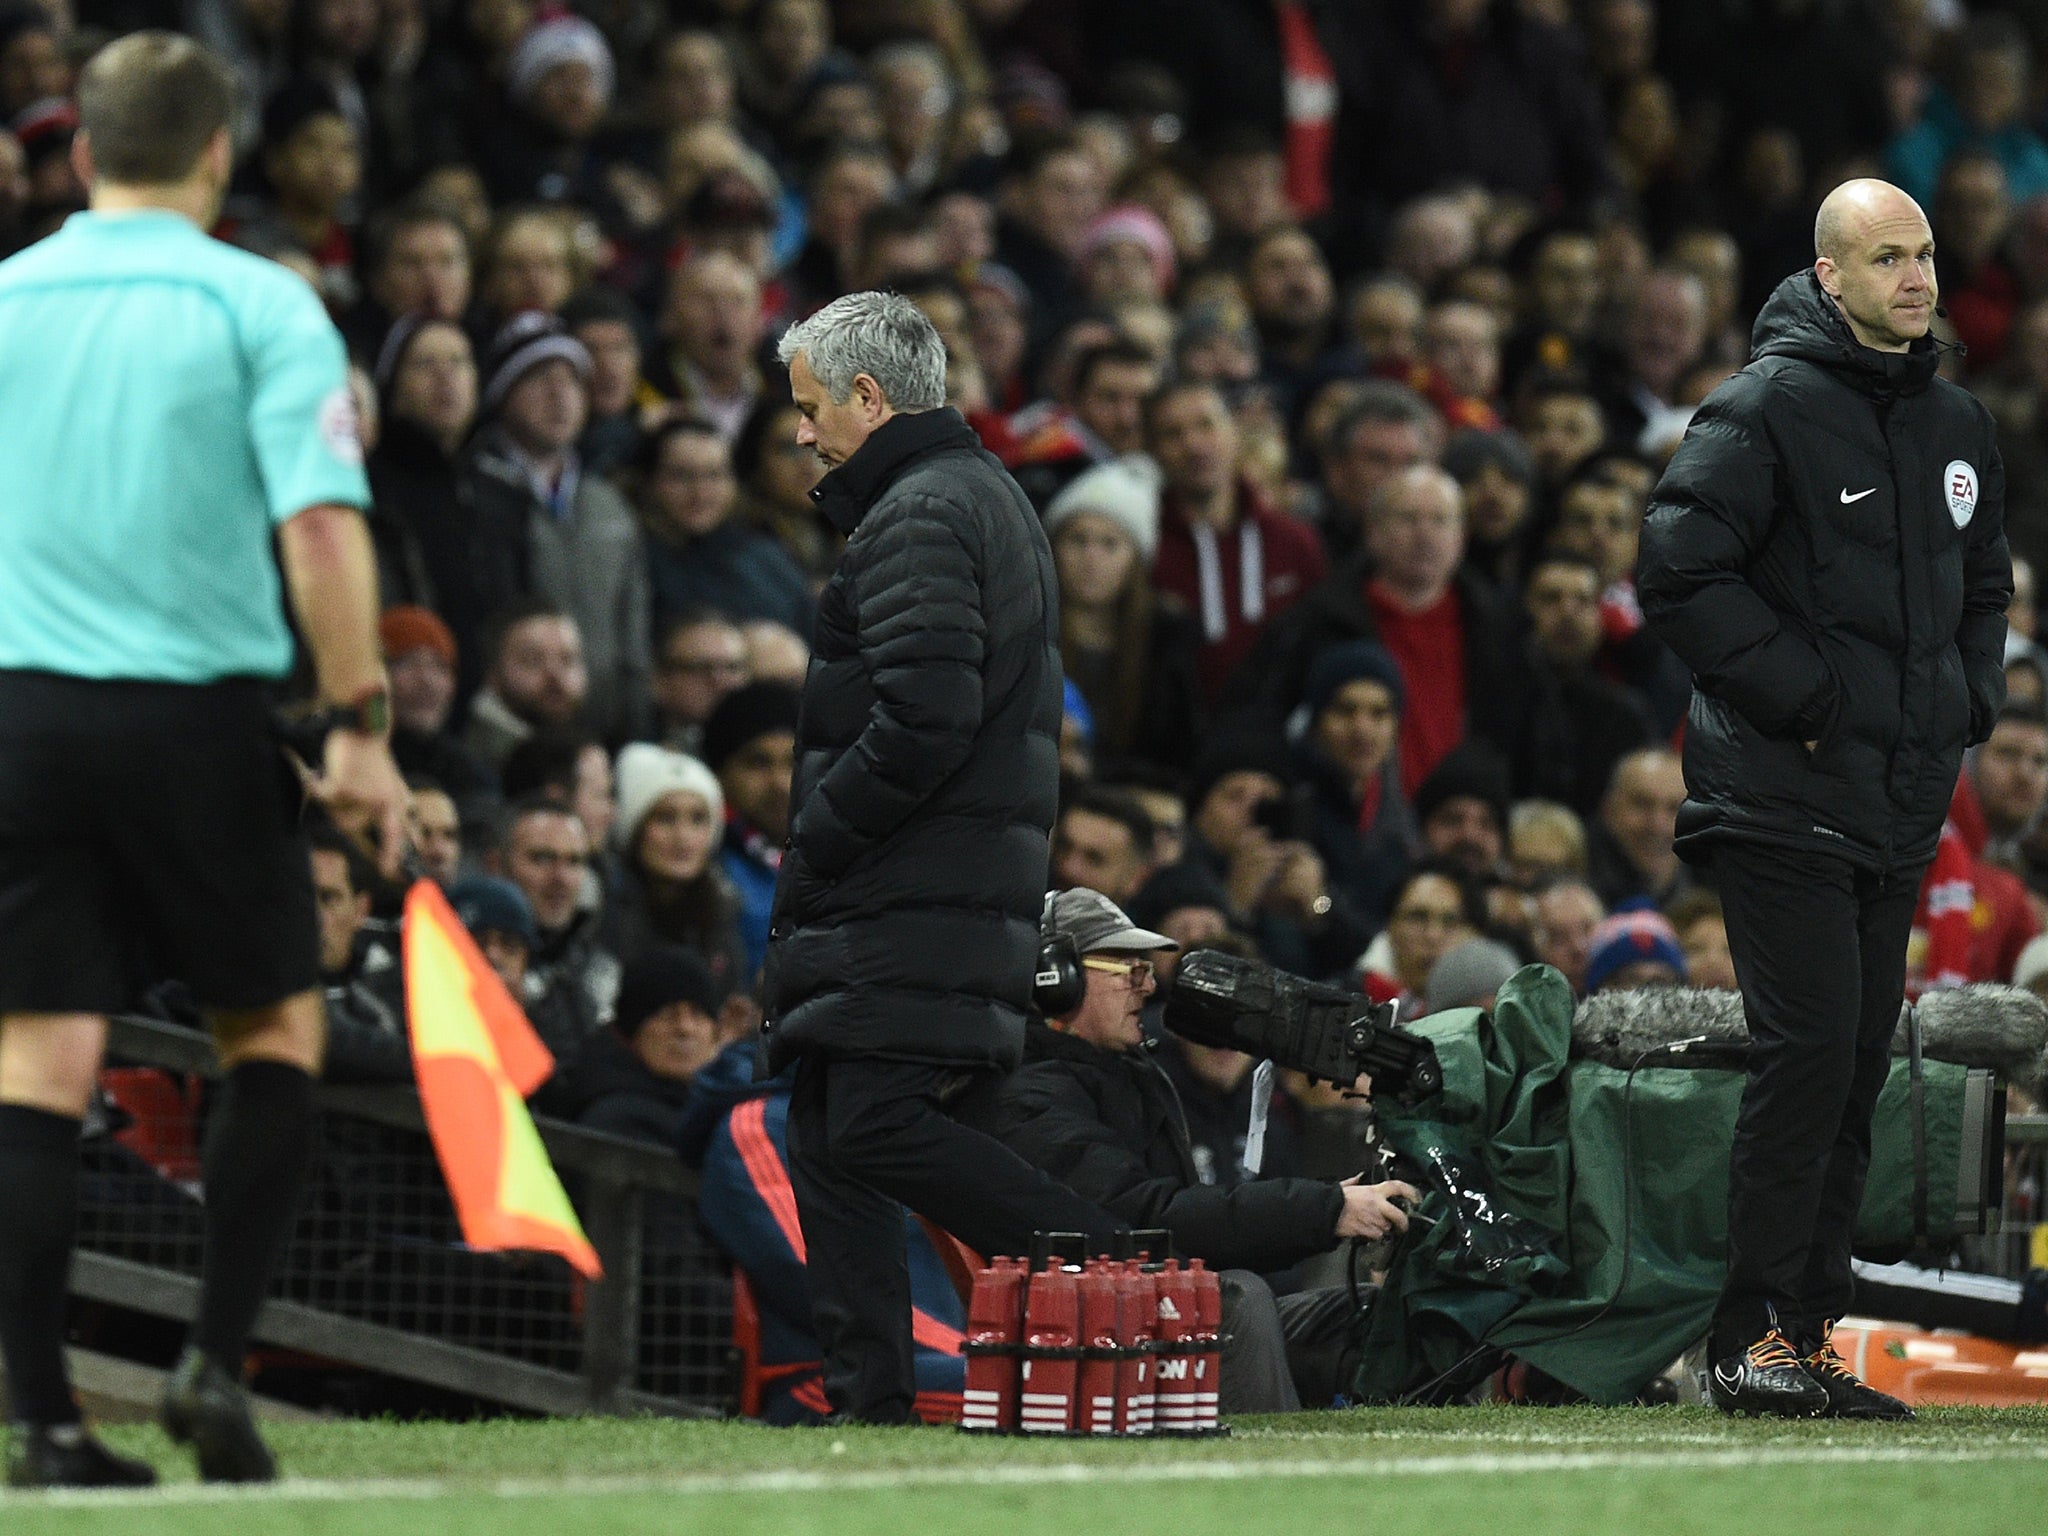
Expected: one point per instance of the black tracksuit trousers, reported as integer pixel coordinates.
(1820, 952)
(866, 1138)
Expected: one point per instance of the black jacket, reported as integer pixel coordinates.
(1573, 727)
(1109, 1126)
(1827, 553)
(1231, 64)
(441, 545)
(927, 771)
(1365, 865)
(367, 1040)
(1510, 106)
(606, 1087)
(1168, 725)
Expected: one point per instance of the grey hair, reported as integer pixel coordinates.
(882, 335)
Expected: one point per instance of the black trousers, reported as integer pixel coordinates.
(866, 1138)
(1820, 951)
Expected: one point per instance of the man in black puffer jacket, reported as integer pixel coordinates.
(1092, 1108)
(904, 937)
(1827, 553)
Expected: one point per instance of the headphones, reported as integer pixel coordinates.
(1058, 985)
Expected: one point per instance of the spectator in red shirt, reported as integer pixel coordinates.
(1415, 537)
(1229, 555)
(1405, 588)
(1972, 922)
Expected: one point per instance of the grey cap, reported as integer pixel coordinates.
(1468, 973)
(1097, 924)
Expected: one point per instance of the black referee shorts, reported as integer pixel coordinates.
(148, 832)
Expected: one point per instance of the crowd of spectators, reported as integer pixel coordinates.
(1339, 346)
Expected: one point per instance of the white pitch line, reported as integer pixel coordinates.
(1065, 1474)
(1791, 1436)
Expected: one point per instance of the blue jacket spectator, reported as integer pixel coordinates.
(750, 743)
(1984, 109)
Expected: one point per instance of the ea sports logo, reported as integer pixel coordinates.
(1959, 483)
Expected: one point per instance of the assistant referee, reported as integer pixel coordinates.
(175, 426)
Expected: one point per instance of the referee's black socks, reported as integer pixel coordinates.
(258, 1148)
(38, 1221)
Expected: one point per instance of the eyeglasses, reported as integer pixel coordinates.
(1137, 972)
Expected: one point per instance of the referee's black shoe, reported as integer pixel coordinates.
(207, 1409)
(69, 1456)
(1767, 1378)
(1849, 1396)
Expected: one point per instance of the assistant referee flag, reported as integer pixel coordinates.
(476, 1059)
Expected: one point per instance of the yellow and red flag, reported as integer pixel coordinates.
(476, 1059)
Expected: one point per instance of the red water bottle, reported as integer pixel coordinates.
(1095, 1391)
(1177, 1351)
(1208, 1356)
(1052, 1352)
(995, 1326)
(1137, 1335)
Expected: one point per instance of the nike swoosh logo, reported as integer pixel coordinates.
(1847, 498)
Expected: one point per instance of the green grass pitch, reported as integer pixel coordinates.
(1493, 1471)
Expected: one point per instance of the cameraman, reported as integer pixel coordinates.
(1091, 1108)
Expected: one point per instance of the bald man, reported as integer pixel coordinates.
(1827, 553)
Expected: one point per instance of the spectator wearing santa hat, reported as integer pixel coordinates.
(558, 85)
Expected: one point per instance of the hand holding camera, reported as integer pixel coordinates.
(1374, 1211)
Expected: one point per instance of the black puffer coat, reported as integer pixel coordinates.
(1827, 553)
(1109, 1126)
(927, 772)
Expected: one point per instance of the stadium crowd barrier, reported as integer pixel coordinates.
(377, 1276)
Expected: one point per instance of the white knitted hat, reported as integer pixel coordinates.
(645, 773)
(1126, 491)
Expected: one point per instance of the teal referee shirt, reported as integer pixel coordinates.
(165, 401)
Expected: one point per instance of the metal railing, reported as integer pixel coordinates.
(376, 1275)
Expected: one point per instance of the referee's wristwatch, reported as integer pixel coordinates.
(369, 714)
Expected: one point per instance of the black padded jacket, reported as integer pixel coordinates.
(1827, 553)
(1109, 1126)
(927, 770)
